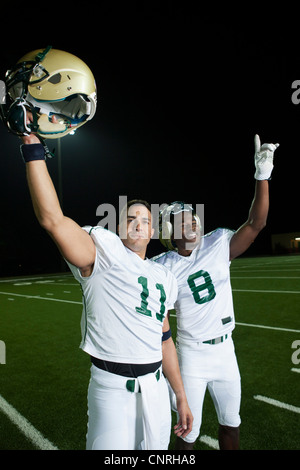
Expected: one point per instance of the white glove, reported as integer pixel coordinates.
(263, 159)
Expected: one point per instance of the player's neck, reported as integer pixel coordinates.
(141, 253)
(186, 249)
(184, 252)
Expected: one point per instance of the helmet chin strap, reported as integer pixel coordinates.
(16, 121)
(16, 118)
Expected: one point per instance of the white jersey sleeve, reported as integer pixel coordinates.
(204, 306)
(125, 301)
(108, 247)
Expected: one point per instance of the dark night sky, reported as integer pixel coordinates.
(180, 97)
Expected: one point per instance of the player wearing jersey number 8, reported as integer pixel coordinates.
(204, 307)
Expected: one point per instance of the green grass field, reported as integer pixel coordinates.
(44, 375)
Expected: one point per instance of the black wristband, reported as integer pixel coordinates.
(166, 335)
(32, 152)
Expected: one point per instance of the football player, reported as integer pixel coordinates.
(125, 296)
(204, 307)
(125, 327)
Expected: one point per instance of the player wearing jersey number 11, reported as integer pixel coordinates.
(125, 328)
(204, 306)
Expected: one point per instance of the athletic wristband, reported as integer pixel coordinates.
(31, 152)
(166, 335)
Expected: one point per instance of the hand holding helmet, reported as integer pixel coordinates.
(32, 138)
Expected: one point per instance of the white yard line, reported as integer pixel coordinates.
(259, 326)
(268, 291)
(271, 270)
(209, 441)
(37, 297)
(264, 277)
(268, 327)
(277, 403)
(25, 426)
(36, 278)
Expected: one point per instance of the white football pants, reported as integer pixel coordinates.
(120, 419)
(212, 366)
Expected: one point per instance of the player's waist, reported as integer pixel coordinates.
(125, 369)
(201, 332)
(119, 382)
(213, 339)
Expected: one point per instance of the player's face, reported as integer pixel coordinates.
(186, 231)
(139, 229)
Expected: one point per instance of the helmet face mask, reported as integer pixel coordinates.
(166, 222)
(52, 83)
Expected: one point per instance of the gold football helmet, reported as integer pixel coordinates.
(50, 83)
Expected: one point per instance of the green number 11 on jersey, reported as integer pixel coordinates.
(144, 302)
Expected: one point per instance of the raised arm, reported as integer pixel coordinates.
(73, 242)
(259, 209)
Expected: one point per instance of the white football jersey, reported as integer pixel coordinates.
(125, 301)
(204, 307)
